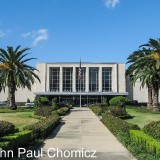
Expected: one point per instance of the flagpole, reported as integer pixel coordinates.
(80, 76)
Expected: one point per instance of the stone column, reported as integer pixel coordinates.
(61, 79)
(100, 79)
(116, 77)
(74, 80)
(87, 79)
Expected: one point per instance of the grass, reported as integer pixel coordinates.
(142, 116)
(20, 117)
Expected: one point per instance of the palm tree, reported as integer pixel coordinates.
(138, 70)
(15, 73)
(155, 46)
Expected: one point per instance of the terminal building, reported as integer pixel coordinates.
(96, 80)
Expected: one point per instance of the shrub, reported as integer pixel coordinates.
(150, 144)
(43, 111)
(54, 103)
(6, 128)
(37, 101)
(117, 106)
(117, 125)
(119, 101)
(96, 109)
(43, 127)
(153, 129)
(13, 141)
(62, 111)
(45, 101)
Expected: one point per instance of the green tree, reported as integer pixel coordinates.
(143, 67)
(15, 73)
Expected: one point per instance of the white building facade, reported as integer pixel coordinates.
(61, 80)
(98, 80)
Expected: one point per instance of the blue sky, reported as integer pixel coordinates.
(65, 30)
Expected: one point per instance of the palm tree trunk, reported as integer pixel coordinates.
(155, 96)
(150, 101)
(11, 98)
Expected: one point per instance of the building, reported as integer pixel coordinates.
(61, 80)
(98, 80)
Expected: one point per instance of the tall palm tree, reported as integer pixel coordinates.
(138, 70)
(14, 72)
(155, 46)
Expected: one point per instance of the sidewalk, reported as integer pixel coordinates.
(82, 130)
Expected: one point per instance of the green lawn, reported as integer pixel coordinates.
(19, 118)
(142, 116)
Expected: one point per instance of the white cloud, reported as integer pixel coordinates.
(37, 36)
(111, 3)
(2, 34)
(40, 35)
(26, 34)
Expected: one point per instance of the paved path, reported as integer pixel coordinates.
(82, 131)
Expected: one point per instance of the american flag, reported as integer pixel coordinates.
(79, 74)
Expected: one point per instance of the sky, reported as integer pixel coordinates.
(67, 30)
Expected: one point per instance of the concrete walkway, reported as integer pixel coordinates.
(82, 130)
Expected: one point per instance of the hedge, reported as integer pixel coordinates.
(117, 125)
(151, 145)
(62, 111)
(6, 128)
(13, 141)
(153, 129)
(43, 127)
(96, 109)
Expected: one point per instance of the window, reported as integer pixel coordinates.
(82, 80)
(106, 79)
(54, 79)
(93, 79)
(67, 79)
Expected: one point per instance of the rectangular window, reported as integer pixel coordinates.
(67, 79)
(80, 83)
(54, 79)
(106, 79)
(93, 79)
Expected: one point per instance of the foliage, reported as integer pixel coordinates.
(117, 106)
(43, 111)
(117, 125)
(15, 73)
(37, 101)
(96, 109)
(104, 101)
(13, 141)
(54, 103)
(119, 101)
(6, 128)
(150, 144)
(43, 127)
(153, 129)
(45, 101)
(62, 111)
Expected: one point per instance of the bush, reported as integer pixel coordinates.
(62, 111)
(150, 144)
(43, 111)
(153, 129)
(117, 106)
(13, 141)
(54, 103)
(6, 128)
(96, 109)
(43, 127)
(119, 101)
(45, 101)
(117, 125)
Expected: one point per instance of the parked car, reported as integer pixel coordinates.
(31, 104)
(3, 103)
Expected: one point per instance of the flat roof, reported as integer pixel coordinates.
(81, 93)
(82, 62)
